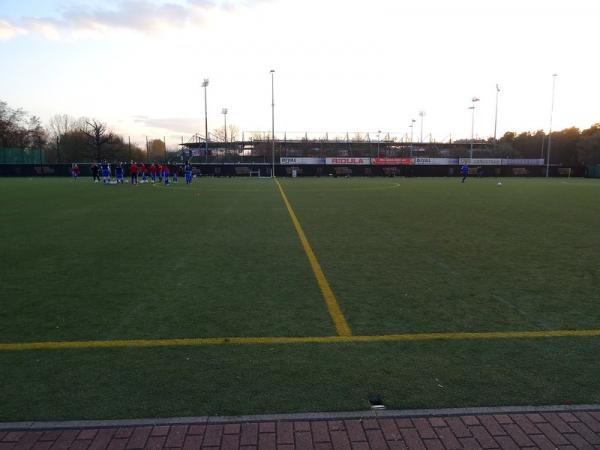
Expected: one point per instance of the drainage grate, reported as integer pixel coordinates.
(376, 401)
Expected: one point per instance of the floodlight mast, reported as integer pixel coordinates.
(204, 85)
(224, 111)
(273, 123)
(496, 117)
(550, 130)
(422, 115)
(473, 100)
(412, 126)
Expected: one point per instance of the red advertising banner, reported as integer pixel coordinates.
(391, 161)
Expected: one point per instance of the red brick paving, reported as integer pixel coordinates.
(545, 430)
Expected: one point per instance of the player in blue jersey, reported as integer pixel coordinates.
(165, 174)
(105, 169)
(119, 173)
(188, 173)
(464, 170)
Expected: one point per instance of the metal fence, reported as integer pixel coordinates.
(21, 156)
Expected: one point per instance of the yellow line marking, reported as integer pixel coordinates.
(199, 342)
(341, 326)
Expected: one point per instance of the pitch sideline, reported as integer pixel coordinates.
(199, 342)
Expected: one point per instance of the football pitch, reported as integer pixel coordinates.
(248, 296)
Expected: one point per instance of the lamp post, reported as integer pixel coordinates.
(550, 131)
(378, 141)
(496, 116)
(204, 85)
(421, 114)
(412, 126)
(473, 100)
(273, 122)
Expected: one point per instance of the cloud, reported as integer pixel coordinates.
(9, 31)
(48, 28)
(146, 16)
(174, 125)
(138, 15)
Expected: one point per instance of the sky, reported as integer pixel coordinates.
(340, 65)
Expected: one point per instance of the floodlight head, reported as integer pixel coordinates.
(272, 71)
(475, 99)
(224, 111)
(554, 74)
(421, 113)
(205, 82)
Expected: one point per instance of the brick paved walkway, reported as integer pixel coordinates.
(539, 430)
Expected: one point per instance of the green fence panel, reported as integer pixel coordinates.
(21, 156)
(593, 171)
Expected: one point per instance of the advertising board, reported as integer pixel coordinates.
(523, 162)
(481, 161)
(391, 161)
(348, 161)
(299, 161)
(435, 161)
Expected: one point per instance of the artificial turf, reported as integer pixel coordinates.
(431, 255)
(233, 380)
(220, 258)
(86, 261)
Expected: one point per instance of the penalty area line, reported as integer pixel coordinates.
(200, 342)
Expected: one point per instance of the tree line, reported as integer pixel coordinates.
(569, 147)
(67, 139)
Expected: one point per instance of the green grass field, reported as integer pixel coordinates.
(221, 259)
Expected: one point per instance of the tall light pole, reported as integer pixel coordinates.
(378, 141)
(550, 131)
(224, 112)
(204, 85)
(412, 126)
(496, 116)
(273, 122)
(421, 114)
(474, 99)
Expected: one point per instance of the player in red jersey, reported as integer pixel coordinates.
(75, 171)
(133, 171)
(153, 169)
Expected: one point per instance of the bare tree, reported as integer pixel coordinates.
(98, 135)
(61, 124)
(36, 134)
(217, 134)
(60, 129)
(233, 133)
